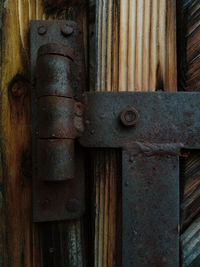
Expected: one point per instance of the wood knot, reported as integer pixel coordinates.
(19, 89)
(18, 95)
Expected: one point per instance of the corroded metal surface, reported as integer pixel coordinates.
(56, 117)
(56, 68)
(165, 123)
(150, 209)
(53, 42)
(55, 159)
(150, 128)
(53, 75)
(163, 118)
(60, 200)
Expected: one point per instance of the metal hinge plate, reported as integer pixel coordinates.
(56, 72)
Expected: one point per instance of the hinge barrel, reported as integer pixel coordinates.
(56, 131)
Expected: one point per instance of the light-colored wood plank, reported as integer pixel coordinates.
(131, 45)
(138, 44)
(146, 46)
(143, 55)
(123, 45)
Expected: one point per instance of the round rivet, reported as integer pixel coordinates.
(42, 30)
(66, 30)
(73, 205)
(129, 117)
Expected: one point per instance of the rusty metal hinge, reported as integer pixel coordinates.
(149, 128)
(56, 67)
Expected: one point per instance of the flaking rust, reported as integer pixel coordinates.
(151, 129)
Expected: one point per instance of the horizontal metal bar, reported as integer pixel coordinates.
(160, 117)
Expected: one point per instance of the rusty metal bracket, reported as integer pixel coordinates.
(149, 128)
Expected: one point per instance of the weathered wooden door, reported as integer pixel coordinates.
(130, 45)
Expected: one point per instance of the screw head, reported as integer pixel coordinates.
(129, 117)
(73, 205)
(66, 30)
(42, 30)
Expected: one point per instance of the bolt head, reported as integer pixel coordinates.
(42, 30)
(129, 117)
(73, 205)
(66, 30)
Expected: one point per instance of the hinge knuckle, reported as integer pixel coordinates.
(55, 114)
(53, 71)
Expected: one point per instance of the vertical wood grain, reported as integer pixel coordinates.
(188, 24)
(131, 45)
(145, 44)
(21, 242)
(153, 68)
(171, 46)
(143, 51)
(143, 55)
(115, 48)
(123, 45)
(138, 44)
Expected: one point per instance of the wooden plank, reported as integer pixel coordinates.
(147, 45)
(143, 58)
(189, 80)
(21, 243)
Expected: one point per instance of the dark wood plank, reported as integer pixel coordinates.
(21, 242)
(188, 32)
